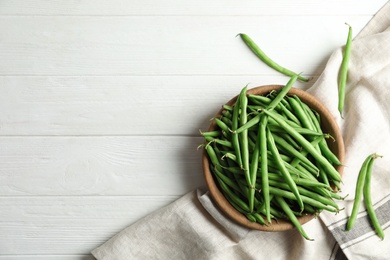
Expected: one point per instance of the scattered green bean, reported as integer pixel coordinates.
(358, 193)
(344, 71)
(368, 199)
(263, 57)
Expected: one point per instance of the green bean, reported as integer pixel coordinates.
(368, 199)
(358, 193)
(285, 207)
(225, 143)
(289, 195)
(284, 102)
(231, 156)
(293, 151)
(227, 113)
(211, 133)
(344, 71)
(235, 141)
(283, 169)
(282, 93)
(323, 176)
(250, 217)
(304, 192)
(226, 180)
(264, 167)
(296, 161)
(323, 145)
(244, 144)
(290, 141)
(259, 218)
(230, 195)
(291, 116)
(213, 157)
(306, 145)
(227, 107)
(300, 112)
(299, 181)
(221, 124)
(248, 124)
(301, 130)
(254, 165)
(262, 100)
(227, 121)
(263, 57)
(306, 110)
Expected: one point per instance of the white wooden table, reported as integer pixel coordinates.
(101, 103)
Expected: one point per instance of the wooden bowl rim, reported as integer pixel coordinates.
(281, 225)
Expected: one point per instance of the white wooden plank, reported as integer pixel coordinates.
(68, 225)
(123, 105)
(137, 165)
(200, 7)
(149, 45)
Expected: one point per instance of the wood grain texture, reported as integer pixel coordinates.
(37, 225)
(123, 105)
(154, 165)
(201, 7)
(160, 45)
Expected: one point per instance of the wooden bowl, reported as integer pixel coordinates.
(328, 125)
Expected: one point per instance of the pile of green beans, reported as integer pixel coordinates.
(363, 190)
(271, 160)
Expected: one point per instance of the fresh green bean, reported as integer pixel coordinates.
(262, 100)
(283, 169)
(306, 145)
(259, 218)
(296, 161)
(211, 133)
(221, 124)
(323, 145)
(254, 121)
(305, 192)
(230, 195)
(293, 151)
(368, 199)
(282, 93)
(285, 207)
(264, 167)
(235, 141)
(300, 112)
(358, 193)
(254, 165)
(227, 107)
(244, 144)
(344, 71)
(250, 217)
(311, 201)
(262, 56)
(225, 143)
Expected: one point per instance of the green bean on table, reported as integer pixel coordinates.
(267, 60)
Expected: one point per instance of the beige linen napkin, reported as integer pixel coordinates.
(193, 228)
